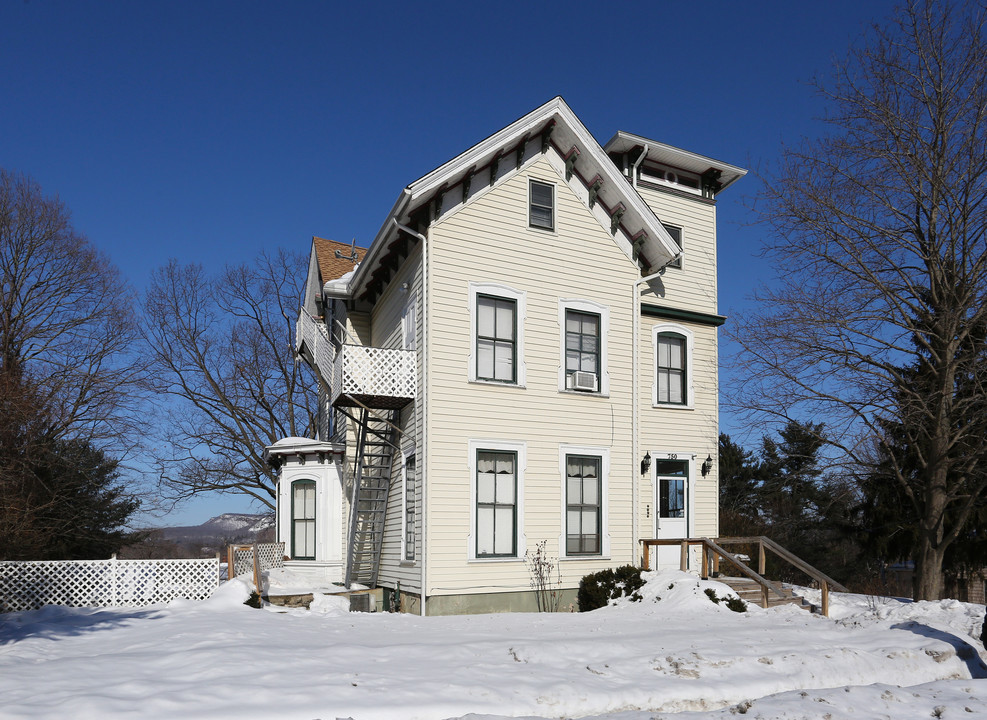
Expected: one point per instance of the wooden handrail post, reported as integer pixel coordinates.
(764, 595)
(647, 555)
(684, 557)
(716, 565)
(825, 598)
(760, 557)
(704, 570)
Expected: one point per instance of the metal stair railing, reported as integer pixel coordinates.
(368, 499)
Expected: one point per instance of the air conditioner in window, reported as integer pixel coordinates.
(585, 381)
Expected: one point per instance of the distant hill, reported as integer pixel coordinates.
(223, 529)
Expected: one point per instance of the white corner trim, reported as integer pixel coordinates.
(520, 299)
(521, 449)
(604, 454)
(689, 353)
(587, 306)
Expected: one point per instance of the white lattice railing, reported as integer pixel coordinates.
(28, 585)
(382, 372)
(269, 555)
(314, 335)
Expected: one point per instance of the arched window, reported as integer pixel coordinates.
(673, 366)
(303, 520)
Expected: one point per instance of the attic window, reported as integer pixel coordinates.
(666, 176)
(541, 208)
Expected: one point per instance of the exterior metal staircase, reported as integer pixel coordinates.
(368, 502)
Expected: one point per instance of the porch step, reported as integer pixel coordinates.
(750, 592)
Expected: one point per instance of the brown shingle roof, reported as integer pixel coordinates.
(330, 265)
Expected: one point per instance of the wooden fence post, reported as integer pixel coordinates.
(684, 557)
(825, 598)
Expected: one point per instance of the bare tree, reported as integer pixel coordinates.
(879, 242)
(222, 349)
(66, 320)
(69, 380)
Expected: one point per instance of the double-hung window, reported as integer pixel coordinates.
(541, 205)
(584, 491)
(496, 332)
(496, 503)
(582, 346)
(584, 325)
(303, 520)
(673, 372)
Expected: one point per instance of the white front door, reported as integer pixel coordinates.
(671, 501)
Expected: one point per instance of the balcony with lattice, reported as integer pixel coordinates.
(374, 377)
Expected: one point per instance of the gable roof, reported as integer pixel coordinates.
(336, 258)
(552, 130)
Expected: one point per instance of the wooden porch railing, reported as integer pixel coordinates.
(713, 552)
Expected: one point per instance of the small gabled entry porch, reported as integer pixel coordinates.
(752, 586)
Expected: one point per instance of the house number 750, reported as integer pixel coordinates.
(673, 456)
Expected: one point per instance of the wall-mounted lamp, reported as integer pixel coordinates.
(707, 465)
(646, 463)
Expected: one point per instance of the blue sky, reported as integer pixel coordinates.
(207, 131)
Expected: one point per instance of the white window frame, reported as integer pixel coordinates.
(585, 306)
(689, 364)
(604, 454)
(521, 451)
(555, 205)
(408, 452)
(677, 264)
(508, 293)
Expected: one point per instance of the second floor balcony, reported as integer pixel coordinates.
(374, 377)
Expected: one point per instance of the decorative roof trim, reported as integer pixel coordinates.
(677, 314)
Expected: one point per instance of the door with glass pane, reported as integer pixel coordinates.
(671, 518)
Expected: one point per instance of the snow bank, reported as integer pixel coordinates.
(630, 661)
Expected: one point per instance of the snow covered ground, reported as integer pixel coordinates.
(680, 655)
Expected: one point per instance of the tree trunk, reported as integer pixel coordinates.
(928, 579)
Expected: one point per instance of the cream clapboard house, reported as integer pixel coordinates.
(527, 353)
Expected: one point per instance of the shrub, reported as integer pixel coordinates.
(735, 604)
(597, 589)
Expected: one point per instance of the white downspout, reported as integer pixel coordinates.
(637, 164)
(636, 410)
(423, 403)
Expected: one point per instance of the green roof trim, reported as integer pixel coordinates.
(687, 315)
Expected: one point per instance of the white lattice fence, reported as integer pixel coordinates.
(28, 585)
(269, 555)
(384, 372)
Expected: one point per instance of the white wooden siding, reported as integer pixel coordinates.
(693, 286)
(489, 240)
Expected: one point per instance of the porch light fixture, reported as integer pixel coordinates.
(646, 463)
(707, 465)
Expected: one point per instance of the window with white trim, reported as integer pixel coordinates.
(583, 490)
(303, 520)
(673, 350)
(496, 504)
(584, 326)
(541, 205)
(409, 515)
(497, 334)
(497, 500)
(676, 233)
(496, 338)
(584, 474)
